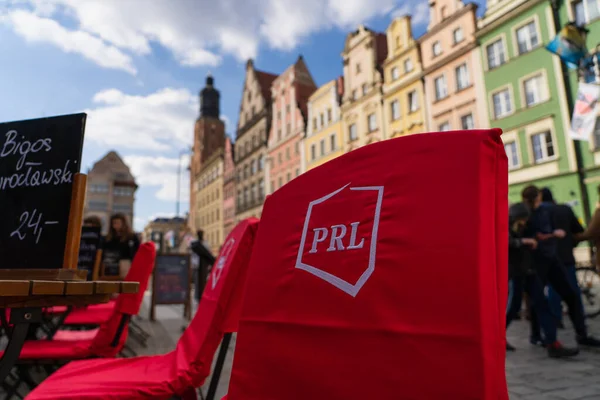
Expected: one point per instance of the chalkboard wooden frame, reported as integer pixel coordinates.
(187, 302)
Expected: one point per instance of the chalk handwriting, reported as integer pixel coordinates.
(36, 176)
(28, 221)
(12, 146)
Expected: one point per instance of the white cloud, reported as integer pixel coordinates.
(161, 172)
(160, 121)
(44, 30)
(419, 13)
(202, 32)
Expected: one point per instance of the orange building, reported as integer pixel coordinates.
(289, 94)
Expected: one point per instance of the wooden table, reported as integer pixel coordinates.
(26, 298)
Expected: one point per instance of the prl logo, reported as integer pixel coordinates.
(343, 240)
(218, 268)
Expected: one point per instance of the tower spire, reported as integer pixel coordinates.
(209, 99)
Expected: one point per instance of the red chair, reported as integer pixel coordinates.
(96, 315)
(108, 340)
(185, 368)
(382, 275)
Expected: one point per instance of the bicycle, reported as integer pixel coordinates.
(588, 278)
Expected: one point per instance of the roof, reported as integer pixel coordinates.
(265, 79)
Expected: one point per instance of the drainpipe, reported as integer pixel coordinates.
(576, 143)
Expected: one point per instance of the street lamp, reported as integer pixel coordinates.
(181, 154)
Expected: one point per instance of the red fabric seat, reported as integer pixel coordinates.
(88, 316)
(63, 309)
(54, 350)
(66, 335)
(382, 275)
(161, 377)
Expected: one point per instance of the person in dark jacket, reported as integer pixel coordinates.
(550, 269)
(565, 219)
(520, 262)
(205, 261)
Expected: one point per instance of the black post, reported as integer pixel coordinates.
(214, 381)
(576, 143)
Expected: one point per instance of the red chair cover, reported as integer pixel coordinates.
(161, 377)
(382, 275)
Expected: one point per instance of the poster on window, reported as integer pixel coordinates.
(584, 112)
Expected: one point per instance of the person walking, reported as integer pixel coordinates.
(549, 266)
(205, 261)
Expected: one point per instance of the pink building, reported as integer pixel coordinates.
(289, 93)
(228, 188)
(452, 67)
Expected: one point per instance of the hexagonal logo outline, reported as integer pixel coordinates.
(347, 287)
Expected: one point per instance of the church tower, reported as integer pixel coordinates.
(209, 143)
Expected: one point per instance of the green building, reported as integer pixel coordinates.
(526, 97)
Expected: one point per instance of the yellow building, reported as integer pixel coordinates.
(404, 107)
(324, 136)
(363, 56)
(209, 200)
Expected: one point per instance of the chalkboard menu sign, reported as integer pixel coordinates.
(88, 249)
(171, 282)
(110, 262)
(38, 159)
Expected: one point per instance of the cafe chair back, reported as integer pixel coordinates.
(334, 306)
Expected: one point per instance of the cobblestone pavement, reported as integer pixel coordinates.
(532, 375)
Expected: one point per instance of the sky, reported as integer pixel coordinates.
(136, 68)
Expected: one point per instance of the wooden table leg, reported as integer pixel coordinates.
(20, 318)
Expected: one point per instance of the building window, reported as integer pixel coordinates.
(467, 122)
(395, 73)
(408, 65)
(395, 109)
(297, 148)
(261, 162)
(279, 158)
(98, 205)
(322, 145)
(99, 188)
(332, 142)
(245, 195)
(585, 11)
(358, 68)
(314, 124)
(543, 147)
(322, 119)
(288, 129)
(441, 89)
(495, 54)
(413, 101)
(252, 167)
(444, 127)
(457, 35)
(535, 90)
(261, 189)
(436, 48)
(502, 104)
(372, 122)
(364, 88)
(278, 134)
(352, 132)
(527, 38)
(287, 108)
(329, 115)
(288, 176)
(462, 77)
(512, 154)
(287, 154)
(297, 172)
(253, 192)
(313, 151)
(280, 181)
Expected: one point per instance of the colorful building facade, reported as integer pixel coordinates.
(254, 124)
(403, 95)
(452, 68)
(324, 134)
(525, 95)
(363, 57)
(289, 94)
(228, 188)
